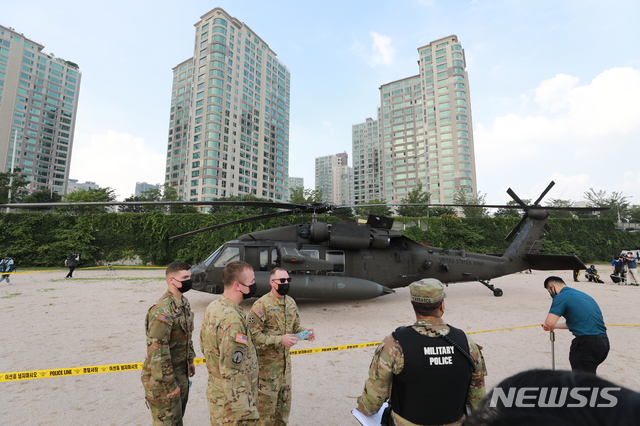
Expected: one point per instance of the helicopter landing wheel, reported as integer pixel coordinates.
(497, 292)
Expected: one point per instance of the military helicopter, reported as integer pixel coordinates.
(351, 261)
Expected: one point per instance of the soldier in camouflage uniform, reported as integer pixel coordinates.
(231, 359)
(428, 379)
(170, 354)
(273, 321)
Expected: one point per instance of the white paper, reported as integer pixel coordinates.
(372, 420)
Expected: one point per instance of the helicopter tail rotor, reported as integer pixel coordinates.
(527, 209)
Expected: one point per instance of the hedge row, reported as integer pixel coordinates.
(41, 239)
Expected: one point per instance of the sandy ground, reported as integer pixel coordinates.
(97, 319)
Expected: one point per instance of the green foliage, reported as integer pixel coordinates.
(375, 207)
(88, 196)
(43, 196)
(244, 210)
(512, 212)
(561, 214)
(301, 195)
(438, 211)
(468, 202)
(415, 196)
(164, 192)
(617, 204)
(15, 181)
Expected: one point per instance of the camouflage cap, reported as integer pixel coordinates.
(428, 290)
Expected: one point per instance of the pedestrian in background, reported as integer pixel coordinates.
(7, 265)
(71, 261)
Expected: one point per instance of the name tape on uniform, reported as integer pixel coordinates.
(114, 368)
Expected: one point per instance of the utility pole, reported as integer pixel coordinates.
(13, 163)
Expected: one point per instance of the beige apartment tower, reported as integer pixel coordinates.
(424, 132)
(229, 122)
(38, 104)
(334, 178)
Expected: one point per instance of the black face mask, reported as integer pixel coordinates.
(252, 291)
(186, 286)
(282, 289)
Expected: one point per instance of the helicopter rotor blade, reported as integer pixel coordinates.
(236, 222)
(515, 197)
(345, 218)
(544, 193)
(516, 229)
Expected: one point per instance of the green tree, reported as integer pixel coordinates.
(164, 192)
(437, 211)
(17, 181)
(245, 210)
(512, 212)
(380, 209)
(617, 204)
(561, 214)
(138, 208)
(634, 214)
(465, 200)
(415, 196)
(43, 196)
(88, 196)
(301, 195)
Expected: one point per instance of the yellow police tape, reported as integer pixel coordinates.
(97, 369)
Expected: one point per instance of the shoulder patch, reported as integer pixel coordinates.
(241, 338)
(163, 318)
(237, 357)
(259, 313)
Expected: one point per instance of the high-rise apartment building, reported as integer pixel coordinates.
(38, 103)
(424, 129)
(334, 178)
(142, 187)
(229, 123)
(296, 182)
(447, 115)
(366, 161)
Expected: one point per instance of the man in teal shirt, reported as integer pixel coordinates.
(590, 346)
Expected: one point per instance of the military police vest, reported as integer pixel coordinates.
(433, 385)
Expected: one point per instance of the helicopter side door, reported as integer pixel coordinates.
(262, 258)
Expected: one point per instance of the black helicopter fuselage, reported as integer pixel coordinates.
(347, 260)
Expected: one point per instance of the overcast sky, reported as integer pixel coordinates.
(555, 85)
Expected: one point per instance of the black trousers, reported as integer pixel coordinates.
(588, 352)
(70, 274)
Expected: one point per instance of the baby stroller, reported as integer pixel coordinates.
(591, 273)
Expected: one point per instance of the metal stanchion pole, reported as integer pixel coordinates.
(552, 337)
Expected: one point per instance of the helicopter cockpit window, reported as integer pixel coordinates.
(212, 256)
(311, 253)
(228, 255)
(337, 258)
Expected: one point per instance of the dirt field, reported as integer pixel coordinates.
(98, 319)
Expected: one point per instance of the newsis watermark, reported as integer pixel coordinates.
(553, 397)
